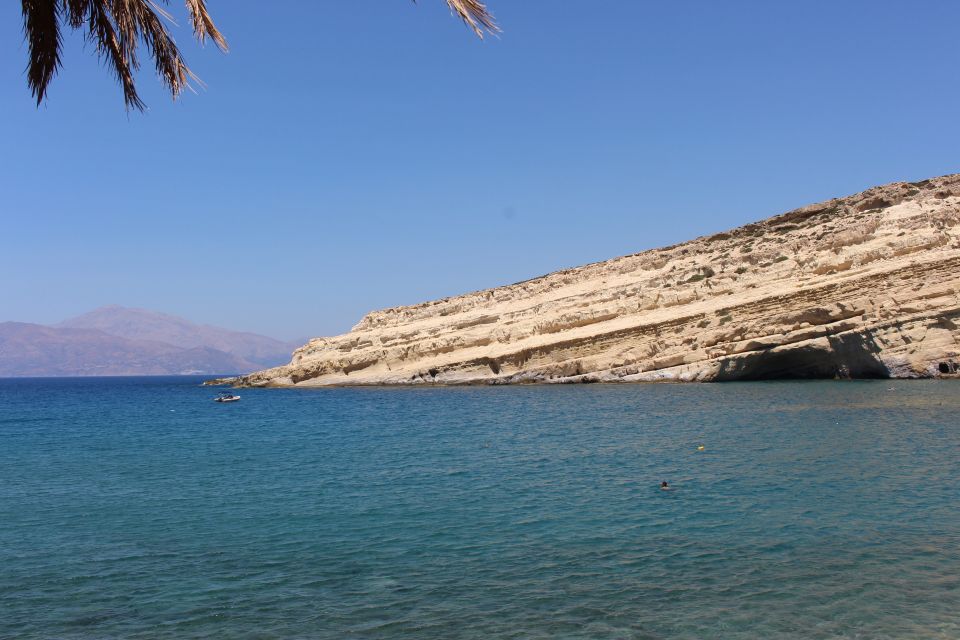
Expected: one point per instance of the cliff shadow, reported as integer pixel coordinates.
(853, 356)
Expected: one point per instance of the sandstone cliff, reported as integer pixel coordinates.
(863, 286)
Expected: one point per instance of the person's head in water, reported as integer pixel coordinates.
(664, 485)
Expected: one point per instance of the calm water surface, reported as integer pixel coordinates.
(138, 508)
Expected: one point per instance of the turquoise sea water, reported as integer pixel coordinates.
(138, 508)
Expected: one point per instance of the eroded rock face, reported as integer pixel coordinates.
(863, 286)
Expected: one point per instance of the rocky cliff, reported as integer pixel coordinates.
(862, 286)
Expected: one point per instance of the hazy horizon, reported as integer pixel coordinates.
(364, 156)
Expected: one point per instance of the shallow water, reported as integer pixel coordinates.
(138, 508)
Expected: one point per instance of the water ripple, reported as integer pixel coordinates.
(815, 510)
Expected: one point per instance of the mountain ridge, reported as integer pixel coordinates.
(115, 340)
(32, 350)
(143, 324)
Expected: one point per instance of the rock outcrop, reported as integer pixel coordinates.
(862, 286)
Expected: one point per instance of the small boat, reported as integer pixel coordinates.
(226, 396)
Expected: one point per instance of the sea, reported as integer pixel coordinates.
(139, 508)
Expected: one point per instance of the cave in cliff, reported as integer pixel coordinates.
(847, 357)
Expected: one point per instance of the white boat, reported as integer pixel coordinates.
(226, 396)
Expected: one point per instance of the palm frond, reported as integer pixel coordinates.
(77, 12)
(41, 25)
(475, 14)
(120, 50)
(117, 27)
(171, 68)
(203, 26)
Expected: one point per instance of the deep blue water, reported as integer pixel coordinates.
(138, 508)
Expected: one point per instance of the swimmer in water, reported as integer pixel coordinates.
(664, 486)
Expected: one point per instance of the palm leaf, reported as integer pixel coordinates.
(203, 26)
(116, 28)
(475, 14)
(118, 44)
(41, 24)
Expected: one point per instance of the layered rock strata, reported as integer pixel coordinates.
(862, 286)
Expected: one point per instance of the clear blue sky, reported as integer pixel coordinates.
(354, 155)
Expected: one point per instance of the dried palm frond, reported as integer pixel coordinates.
(203, 26)
(475, 14)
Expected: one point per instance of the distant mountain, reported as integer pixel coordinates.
(36, 350)
(141, 324)
(116, 341)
